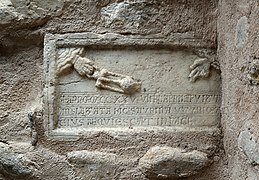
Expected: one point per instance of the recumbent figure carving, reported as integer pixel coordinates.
(73, 57)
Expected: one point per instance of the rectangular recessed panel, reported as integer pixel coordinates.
(90, 85)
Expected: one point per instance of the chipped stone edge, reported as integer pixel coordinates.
(82, 39)
(54, 41)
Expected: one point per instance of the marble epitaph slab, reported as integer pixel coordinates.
(102, 82)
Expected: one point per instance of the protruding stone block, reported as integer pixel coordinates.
(14, 165)
(248, 144)
(167, 162)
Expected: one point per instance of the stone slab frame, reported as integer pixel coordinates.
(54, 41)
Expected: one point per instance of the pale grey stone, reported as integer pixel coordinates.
(241, 31)
(167, 162)
(34, 11)
(91, 157)
(248, 144)
(130, 13)
(14, 164)
(7, 12)
(252, 174)
(74, 92)
(202, 66)
(100, 165)
(4, 147)
(199, 69)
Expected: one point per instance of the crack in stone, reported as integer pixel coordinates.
(72, 82)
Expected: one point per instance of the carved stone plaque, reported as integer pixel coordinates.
(114, 82)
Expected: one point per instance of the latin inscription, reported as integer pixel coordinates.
(150, 109)
(88, 98)
(108, 80)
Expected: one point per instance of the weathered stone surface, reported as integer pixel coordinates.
(251, 71)
(172, 163)
(182, 19)
(248, 144)
(240, 99)
(23, 161)
(7, 12)
(252, 174)
(80, 158)
(101, 165)
(126, 13)
(14, 164)
(33, 11)
(4, 147)
(186, 22)
(97, 88)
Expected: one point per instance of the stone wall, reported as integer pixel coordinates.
(238, 55)
(226, 27)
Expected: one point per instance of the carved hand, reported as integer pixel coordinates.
(84, 66)
(200, 68)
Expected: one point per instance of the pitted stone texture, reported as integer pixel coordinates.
(4, 147)
(7, 12)
(177, 18)
(248, 144)
(14, 165)
(127, 13)
(34, 11)
(88, 157)
(22, 161)
(172, 163)
(102, 165)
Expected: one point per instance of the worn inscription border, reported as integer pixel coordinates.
(54, 41)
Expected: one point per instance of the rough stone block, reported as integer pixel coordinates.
(172, 163)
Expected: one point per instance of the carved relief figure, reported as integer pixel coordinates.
(201, 67)
(73, 57)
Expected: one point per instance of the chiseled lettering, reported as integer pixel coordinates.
(206, 98)
(95, 110)
(167, 110)
(139, 121)
(70, 122)
(149, 109)
(173, 121)
(143, 98)
(62, 122)
(138, 110)
(118, 122)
